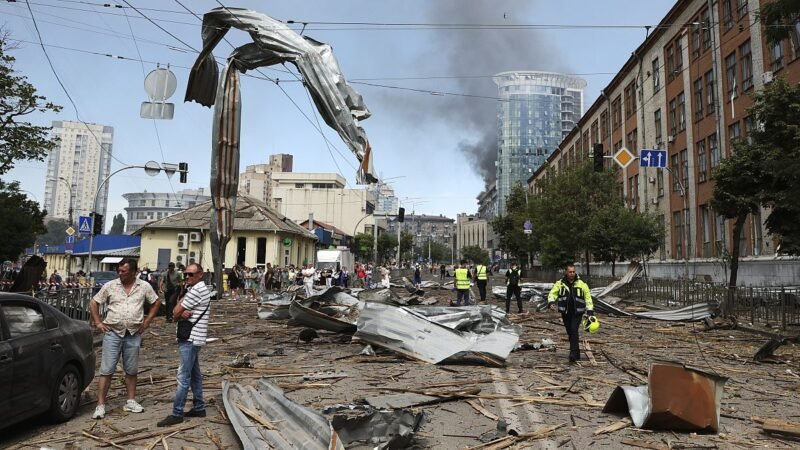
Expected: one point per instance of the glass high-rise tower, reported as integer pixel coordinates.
(535, 112)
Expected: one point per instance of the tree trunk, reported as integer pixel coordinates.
(613, 267)
(587, 263)
(738, 226)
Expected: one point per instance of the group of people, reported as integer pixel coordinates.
(125, 323)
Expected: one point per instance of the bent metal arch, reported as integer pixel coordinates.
(273, 43)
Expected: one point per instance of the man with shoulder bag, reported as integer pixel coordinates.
(192, 331)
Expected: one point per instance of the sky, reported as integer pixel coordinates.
(423, 68)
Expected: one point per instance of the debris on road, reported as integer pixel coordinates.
(677, 397)
(333, 310)
(380, 428)
(766, 352)
(275, 306)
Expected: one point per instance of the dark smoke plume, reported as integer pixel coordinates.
(477, 53)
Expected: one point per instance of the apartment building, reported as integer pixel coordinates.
(686, 89)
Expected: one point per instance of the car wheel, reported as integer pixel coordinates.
(66, 394)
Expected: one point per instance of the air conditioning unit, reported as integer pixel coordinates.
(195, 236)
(193, 257)
(180, 259)
(183, 241)
(651, 180)
(670, 139)
(654, 200)
(767, 77)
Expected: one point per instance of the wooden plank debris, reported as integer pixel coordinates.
(616, 426)
(478, 407)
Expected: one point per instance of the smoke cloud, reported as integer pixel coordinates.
(475, 55)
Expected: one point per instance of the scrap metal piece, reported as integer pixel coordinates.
(295, 426)
(403, 400)
(691, 313)
(333, 310)
(324, 375)
(275, 306)
(677, 397)
(381, 429)
(482, 319)
(412, 334)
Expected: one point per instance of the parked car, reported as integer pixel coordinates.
(46, 360)
(101, 278)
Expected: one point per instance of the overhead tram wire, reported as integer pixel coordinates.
(66, 92)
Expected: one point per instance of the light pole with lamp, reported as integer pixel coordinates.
(151, 168)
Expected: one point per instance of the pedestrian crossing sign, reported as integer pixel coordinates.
(85, 224)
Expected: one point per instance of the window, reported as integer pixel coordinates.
(796, 35)
(749, 126)
(673, 117)
(681, 112)
(719, 234)
(616, 110)
(685, 168)
(632, 140)
(633, 190)
(674, 171)
(656, 75)
(730, 72)
(702, 164)
(741, 8)
(678, 57)
(699, 101)
(603, 125)
(23, 319)
(676, 219)
(746, 58)
(630, 100)
(713, 150)
(727, 14)
(594, 135)
(711, 96)
(697, 30)
(166, 203)
(705, 223)
(706, 21)
(657, 127)
(660, 182)
(734, 132)
(670, 62)
(777, 56)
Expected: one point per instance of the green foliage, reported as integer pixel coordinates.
(387, 243)
(406, 243)
(54, 233)
(21, 221)
(118, 227)
(440, 252)
(19, 139)
(363, 244)
(509, 227)
(779, 17)
(475, 254)
(618, 233)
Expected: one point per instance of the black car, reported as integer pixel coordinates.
(46, 360)
(101, 278)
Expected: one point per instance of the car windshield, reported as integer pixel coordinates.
(103, 277)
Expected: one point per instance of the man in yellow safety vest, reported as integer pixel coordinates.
(481, 278)
(462, 283)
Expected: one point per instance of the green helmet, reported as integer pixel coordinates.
(591, 324)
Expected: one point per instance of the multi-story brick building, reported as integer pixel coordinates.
(686, 89)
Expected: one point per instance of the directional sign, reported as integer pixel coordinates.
(653, 158)
(623, 157)
(69, 240)
(70, 231)
(527, 227)
(84, 224)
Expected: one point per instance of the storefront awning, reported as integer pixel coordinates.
(111, 260)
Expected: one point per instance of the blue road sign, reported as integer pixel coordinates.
(69, 240)
(653, 158)
(84, 224)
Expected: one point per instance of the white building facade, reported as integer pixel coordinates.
(145, 207)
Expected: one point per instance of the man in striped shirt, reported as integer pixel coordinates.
(194, 306)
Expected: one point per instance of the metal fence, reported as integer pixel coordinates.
(71, 300)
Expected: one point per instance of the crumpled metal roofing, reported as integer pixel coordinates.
(296, 427)
(333, 310)
(691, 313)
(412, 334)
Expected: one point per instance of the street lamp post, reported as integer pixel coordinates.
(69, 258)
(152, 168)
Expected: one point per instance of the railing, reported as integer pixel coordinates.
(70, 298)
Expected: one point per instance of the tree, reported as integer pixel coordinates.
(475, 254)
(118, 227)
(509, 227)
(406, 244)
(440, 252)
(779, 17)
(618, 233)
(363, 243)
(21, 220)
(387, 243)
(54, 233)
(19, 139)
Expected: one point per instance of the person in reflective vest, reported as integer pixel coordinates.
(462, 284)
(573, 299)
(512, 287)
(480, 279)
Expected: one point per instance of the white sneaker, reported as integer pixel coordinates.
(132, 406)
(99, 412)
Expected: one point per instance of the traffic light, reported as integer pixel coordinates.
(183, 168)
(597, 150)
(401, 214)
(97, 223)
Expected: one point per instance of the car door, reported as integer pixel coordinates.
(6, 375)
(37, 353)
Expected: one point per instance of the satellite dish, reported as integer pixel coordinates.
(160, 84)
(152, 168)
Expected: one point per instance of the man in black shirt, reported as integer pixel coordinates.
(512, 287)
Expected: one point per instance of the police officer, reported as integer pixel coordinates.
(573, 299)
(462, 283)
(512, 287)
(481, 278)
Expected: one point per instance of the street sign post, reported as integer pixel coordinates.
(85, 225)
(653, 158)
(70, 231)
(527, 227)
(623, 157)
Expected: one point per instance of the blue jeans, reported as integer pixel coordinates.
(462, 293)
(189, 376)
